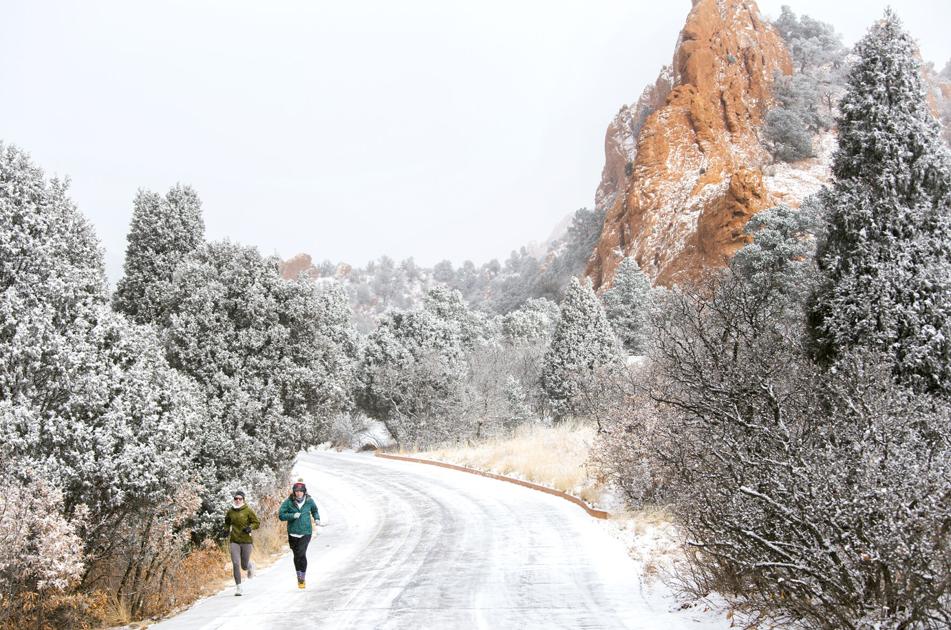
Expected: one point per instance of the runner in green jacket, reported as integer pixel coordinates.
(297, 510)
(240, 519)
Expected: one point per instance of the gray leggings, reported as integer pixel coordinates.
(240, 553)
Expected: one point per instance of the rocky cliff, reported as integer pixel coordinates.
(684, 166)
(939, 96)
(291, 268)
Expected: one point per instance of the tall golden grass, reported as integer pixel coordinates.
(551, 456)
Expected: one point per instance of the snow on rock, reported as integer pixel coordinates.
(695, 176)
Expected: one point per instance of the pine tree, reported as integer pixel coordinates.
(583, 346)
(627, 305)
(886, 257)
(163, 231)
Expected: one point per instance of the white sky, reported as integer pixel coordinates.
(349, 130)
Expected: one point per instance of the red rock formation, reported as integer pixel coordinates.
(620, 141)
(938, 87)
(295, 265)
(696, 176)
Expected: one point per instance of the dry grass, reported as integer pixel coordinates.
(50, 611)
(551, 456)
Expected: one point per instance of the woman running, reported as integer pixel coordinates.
(240, 520)
(297, 510)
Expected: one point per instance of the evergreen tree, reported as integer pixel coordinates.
(162, 233)
(88, 402)
(778, 265)
(273, 358)
(534, 321)
(472, 327)
(886, 257)
(627, 305)
(583, 346)
(805, 100)
(411, 376)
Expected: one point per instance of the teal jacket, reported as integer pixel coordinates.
(300, 526)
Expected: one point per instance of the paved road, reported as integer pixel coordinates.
(415, 546)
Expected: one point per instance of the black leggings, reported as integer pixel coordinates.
(299, 547)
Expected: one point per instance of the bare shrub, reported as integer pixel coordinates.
(41, 553)
(823, 497)
(144, 551)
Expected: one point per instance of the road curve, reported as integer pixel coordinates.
(413, 546)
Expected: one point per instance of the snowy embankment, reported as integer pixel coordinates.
(410, 546)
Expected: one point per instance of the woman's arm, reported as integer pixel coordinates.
(314, 511)
(286, 512)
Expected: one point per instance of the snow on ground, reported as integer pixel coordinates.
(415, 546)
(792, 183)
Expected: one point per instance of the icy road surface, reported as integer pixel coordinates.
(415, 546)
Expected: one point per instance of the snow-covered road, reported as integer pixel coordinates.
(415, 546)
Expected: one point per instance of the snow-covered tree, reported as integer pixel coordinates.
(583, 346)
(788, 137)
(627, 305)
(92, 418)
(473, 327)
(273, 359)
(411, 376)
(812, 43)
(805, 100)
(534, 321)
(163, 231)
(778, 266)
(50, 259)
(886, 256)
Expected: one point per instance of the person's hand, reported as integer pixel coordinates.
(247, 530)
(320, 524)
(296, 515)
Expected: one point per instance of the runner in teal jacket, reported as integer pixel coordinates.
(297, 510)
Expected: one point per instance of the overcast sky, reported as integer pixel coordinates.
(349, 130)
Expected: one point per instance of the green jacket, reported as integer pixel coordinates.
(299, 525)
(237, 519)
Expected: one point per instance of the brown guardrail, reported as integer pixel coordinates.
(528, 484)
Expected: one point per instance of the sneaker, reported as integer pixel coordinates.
(250, 569)
(237, 591)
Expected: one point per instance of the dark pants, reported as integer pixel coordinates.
(299, 547)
